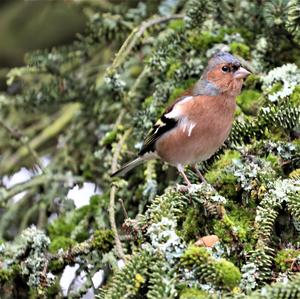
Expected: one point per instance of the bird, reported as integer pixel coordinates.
(198, 122)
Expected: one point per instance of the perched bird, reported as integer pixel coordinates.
(193, 128)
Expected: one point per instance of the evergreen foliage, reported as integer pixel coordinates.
(86, 107)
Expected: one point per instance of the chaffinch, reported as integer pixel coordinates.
(193, 128)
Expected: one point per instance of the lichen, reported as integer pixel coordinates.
(280, 83)
(164, 239)
(249, 273)
(28, 251)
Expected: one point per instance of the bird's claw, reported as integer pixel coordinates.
(191, 188)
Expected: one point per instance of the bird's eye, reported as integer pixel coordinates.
(225, 69)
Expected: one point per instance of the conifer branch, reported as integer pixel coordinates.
(135, 35)
(68, 112)
(6, 194)
(23, 140)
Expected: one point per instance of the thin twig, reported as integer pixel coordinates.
(135, 35)
(42, 217)
(119, 119)
(16, 134)
(123, 207)
(113, 190)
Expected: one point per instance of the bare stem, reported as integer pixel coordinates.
(123, 207)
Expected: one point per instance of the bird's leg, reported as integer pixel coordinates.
(181, 171)
(200, 176)
(190, 188)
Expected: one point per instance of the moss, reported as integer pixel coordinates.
(295, 96)
(218, 176)
(53, 290)
(297, 142)
(109, 138)
(176, 25)
(239, 221)
(249, 101)
(8, 274)
(193, 293)
(97, 200)
(222, 273)
(192, 225)
(61, 242)
(60, 228)
(229, 274)
(56, 266)
(194, 255)
(172, 69)
(252, 82)
(220, 229)
(275, 134)
(148, 101)
(283, 259)
(66, 224)
(275, 162)
(5, 275)
(135, 70)
(275, 88)
(103, 240)
(238, 111)
(221, 164)
(205, 40)
(240, 49)
(82, 235)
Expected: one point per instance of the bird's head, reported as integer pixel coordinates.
(225, 72)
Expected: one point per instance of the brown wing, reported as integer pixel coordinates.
(163, 125)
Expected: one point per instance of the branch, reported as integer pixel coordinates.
(6, 194)
(113, 190)
(16, 134)
(135, 35)
(68, 112)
